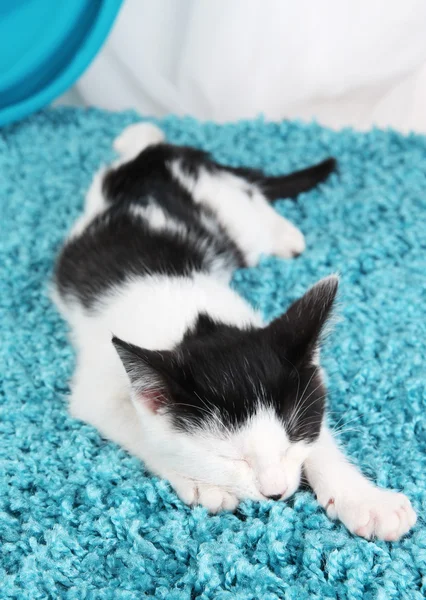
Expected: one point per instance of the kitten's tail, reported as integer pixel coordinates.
(289, 186)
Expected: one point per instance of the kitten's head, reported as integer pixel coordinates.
(237, 408)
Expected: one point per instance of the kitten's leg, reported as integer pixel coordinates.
(243, 210)
(239, 204)
(267, 231)
(346, 494)
(101, 397)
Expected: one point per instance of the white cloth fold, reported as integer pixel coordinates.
(343, 62)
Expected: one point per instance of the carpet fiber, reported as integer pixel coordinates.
(79, 518)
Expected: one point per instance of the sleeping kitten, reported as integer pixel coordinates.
(176, 367)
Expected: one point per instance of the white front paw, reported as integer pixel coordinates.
(216, 499)
(374, 512)
(212, 497)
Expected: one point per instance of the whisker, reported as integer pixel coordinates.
(298, 376)
(313, 391)
(343, 430)
(299, 400)
(342, 417)
(307, 407)
(212, 411)
(298, 404)
(190, 406)
(293, 422)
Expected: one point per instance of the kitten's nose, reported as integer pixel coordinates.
(275, 497)
(273, 483)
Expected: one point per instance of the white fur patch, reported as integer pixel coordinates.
(136, 138)
(157, 218)
(346, 494)
(244, 212)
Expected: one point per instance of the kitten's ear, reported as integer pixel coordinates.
(298, 331)
(150, 372)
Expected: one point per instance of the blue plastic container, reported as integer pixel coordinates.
(45, 45)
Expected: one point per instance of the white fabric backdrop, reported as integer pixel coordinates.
(344, 62)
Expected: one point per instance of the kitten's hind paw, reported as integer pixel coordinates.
(136, 138)
(288, 242)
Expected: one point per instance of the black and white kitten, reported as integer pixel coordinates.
(176, 367)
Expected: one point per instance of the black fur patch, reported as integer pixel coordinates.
(118, 245)
(288, 186)
(219, 374)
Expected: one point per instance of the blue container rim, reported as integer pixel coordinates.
(71, 71)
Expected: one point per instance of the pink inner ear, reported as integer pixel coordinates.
(153, 399)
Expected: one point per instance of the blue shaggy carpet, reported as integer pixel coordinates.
(79, 518)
